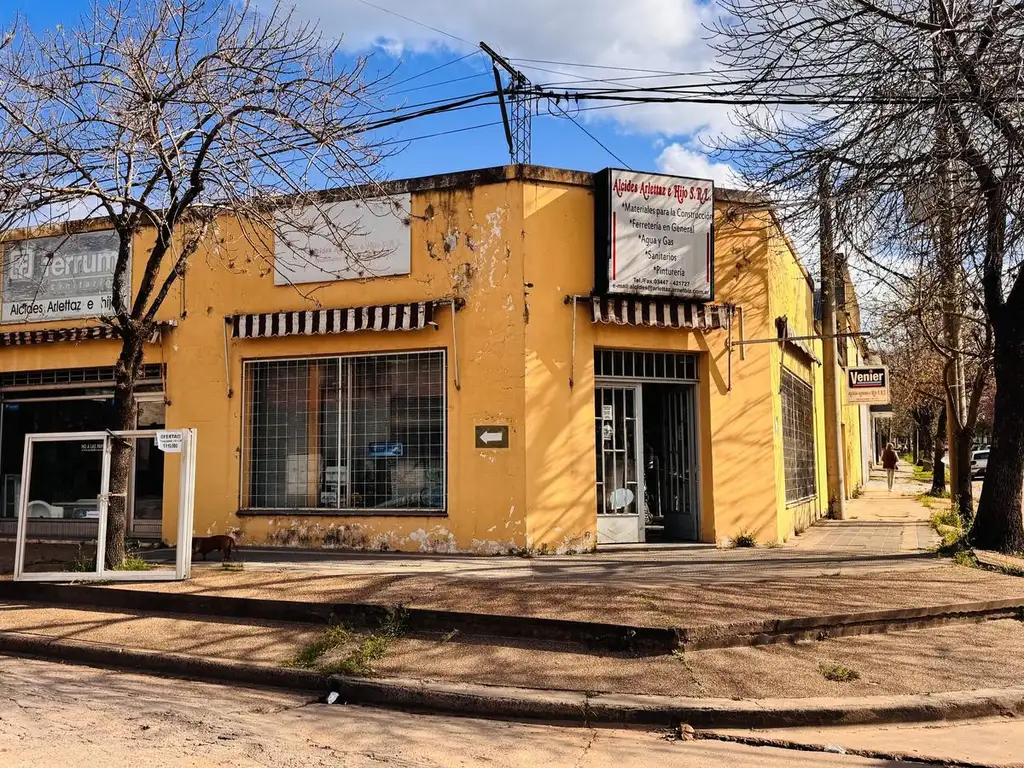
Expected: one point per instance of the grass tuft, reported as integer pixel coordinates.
(966, 559)
(133, 563)
(745, 540)
(838, 673)
(309, 655)
(362, 651)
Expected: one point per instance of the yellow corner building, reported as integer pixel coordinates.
(481, 387)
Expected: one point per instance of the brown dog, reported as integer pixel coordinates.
(222, 543)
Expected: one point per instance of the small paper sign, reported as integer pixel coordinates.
(169, 441)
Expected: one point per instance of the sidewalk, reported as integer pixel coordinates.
(952, 658)
(878, 521)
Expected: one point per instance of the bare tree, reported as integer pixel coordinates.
(168, 116)
(903, 98)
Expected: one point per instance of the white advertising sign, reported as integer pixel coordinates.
(170, 440)
(58, 278)
(867, 385)
(660, 235)
(376, 234)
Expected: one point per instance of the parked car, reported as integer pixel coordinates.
(979, 462)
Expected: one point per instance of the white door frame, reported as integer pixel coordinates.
(186, 508)
(626, 529)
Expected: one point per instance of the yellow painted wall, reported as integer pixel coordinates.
(735, 429)
(513, 250)
(792, 297)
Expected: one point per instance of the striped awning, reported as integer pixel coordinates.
(659, 313)
(54, 335)
(388, 317)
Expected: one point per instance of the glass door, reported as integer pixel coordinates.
(147, 495)
(620, 487)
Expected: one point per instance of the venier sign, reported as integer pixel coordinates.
(58, 278)
(654, 235)
(867, 385)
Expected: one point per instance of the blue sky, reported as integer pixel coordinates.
(663, 35)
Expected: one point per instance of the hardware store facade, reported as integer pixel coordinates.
(479, 388)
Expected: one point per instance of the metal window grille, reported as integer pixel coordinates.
(632, 364)
(350, 433)
(69, 376)
(798, 438)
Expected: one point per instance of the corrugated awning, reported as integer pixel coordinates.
(786, 334)
(659, 313)
(54, 335)
(388, 317)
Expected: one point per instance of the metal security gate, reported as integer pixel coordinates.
(620, 484)
(670, 461)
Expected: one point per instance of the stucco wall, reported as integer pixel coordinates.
(512, 250)
(792, 297)
(735, 428)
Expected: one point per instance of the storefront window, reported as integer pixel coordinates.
(68, 472)
(798, 438)
(352, 433)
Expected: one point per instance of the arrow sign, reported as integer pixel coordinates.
(491, 436)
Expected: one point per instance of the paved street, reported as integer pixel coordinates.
(53, 715)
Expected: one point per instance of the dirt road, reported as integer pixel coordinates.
(59, 715)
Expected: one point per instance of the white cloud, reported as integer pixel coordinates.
(664, 35)
(678, 160)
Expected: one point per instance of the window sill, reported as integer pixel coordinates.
(800, 502)
(341, 513)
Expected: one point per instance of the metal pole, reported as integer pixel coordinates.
(832, 374)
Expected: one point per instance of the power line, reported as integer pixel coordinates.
(414, 21)
(595, 139)
(438, 133)
(434, 69)
(439, 84)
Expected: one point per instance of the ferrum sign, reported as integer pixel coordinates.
(867, 385)
(654, 235)
(58, 278)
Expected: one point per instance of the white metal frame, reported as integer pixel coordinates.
(186, 509)
(609, 519)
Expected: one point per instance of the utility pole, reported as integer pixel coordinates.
(951, 300)
(833, 417)
(516, 113)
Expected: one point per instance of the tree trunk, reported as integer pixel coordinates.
(122, 455)
(924, 438)
(998, 525)
(962, 490)
(938, 465)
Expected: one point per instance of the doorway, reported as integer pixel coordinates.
(669, 462)
(647, 462)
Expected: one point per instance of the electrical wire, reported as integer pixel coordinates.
(414, 21)
(596, 140)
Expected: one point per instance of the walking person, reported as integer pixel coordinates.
(889, 459)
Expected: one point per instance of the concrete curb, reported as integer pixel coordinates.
(612, 637)
(846, 624)
(531, 704)
(594, 635)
